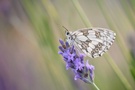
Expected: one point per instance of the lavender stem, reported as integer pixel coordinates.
(95, 86)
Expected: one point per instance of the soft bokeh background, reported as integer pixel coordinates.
(29, 34)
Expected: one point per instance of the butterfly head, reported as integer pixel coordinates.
(68, 35)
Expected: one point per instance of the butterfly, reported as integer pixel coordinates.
(93, 42)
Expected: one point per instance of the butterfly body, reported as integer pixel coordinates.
(93, 42)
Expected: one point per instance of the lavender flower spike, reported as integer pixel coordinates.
(82, 71)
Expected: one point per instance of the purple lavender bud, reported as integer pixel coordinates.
(77, 76)
(70, 65)
(61, 42)
(72, 49)
(78, 64)
(67, 45)
(60, 52)
(61, 48)
(82, 57)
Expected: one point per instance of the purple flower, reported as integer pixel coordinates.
(74, 61)
(78, 64)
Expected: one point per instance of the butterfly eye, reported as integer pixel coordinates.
(67, 33)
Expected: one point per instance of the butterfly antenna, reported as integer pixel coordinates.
(65, 28)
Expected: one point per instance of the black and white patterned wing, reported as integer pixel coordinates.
(93, 42)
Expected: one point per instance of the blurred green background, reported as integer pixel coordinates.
(29, 38)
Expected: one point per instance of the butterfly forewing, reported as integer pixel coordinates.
(93, 42)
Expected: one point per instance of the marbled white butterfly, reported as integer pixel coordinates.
(93, 42)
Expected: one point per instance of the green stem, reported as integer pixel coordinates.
(95, 86)
(128, 11)
(110, 60)
(89, 81)
(81, 13)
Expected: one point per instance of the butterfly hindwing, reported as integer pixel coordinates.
(94, 41)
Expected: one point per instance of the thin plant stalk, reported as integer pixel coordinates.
(96, 86)
(110, 60)
(81, 13)
(129, 12)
